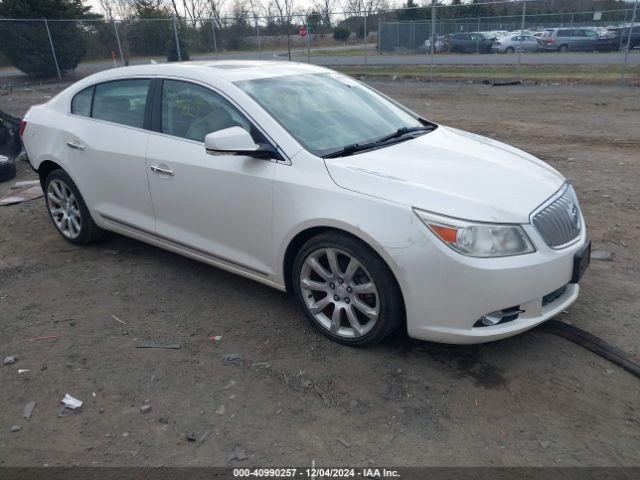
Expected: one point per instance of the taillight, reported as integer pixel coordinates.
(21, 126)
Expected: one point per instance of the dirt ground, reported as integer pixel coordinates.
(535, 399)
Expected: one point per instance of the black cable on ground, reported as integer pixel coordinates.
(593, 343)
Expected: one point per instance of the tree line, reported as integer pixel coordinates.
(131, 28)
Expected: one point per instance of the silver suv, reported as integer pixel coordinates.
(568, 39)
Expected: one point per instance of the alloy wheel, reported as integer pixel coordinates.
(339, 292)
(64, 209)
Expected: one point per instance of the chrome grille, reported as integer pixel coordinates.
(560, 222)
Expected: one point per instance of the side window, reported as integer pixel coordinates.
(81, 102)
(192, 111)
(564, 33)
(121, 101)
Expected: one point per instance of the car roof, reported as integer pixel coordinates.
(222, 70)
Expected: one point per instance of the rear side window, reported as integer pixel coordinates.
(121, 101)
(81, 103)
(564, 33)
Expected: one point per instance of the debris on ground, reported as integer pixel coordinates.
(146, 408)
(216, 338)
(28, 410)
(23, 370)
(237, 454)
(232, 357)
(221, 409)
(117, 319)
(22, 192)
(602, 255)
(343, 442)
(191, 437)
(9, 360)
(168, 346)
(545, 444)
(229, 385)
(71, 402)
(261, 365)
(15, 428)
(204, 436)
(48, 337)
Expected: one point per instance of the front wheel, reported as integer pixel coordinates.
(346, 290)
(67, 209)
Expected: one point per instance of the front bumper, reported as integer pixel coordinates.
(446, 293)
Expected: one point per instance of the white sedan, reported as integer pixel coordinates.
(311, 182)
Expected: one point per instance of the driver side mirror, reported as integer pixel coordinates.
(237, 141)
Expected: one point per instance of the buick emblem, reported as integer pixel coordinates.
(574, 215)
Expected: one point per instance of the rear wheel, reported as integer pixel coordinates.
(346, 290)
(67, 209)
(510, 50)
(7, 168)
(563, 48)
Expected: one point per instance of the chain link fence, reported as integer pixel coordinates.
(502, 36)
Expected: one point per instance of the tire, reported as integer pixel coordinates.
(73, 220)
(563, 48)
(509, 50)
(7, 168)
(381, 297)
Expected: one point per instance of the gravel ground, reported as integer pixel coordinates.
(294, 396)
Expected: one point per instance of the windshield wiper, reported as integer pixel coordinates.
(350, 149)
(403, 131)
(380, 142)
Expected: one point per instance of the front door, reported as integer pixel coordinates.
(218, 205)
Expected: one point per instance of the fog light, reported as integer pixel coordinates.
(490, 319)
(500, 316)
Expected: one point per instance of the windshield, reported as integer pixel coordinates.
(326, 112)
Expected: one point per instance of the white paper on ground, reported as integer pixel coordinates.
(71, 402)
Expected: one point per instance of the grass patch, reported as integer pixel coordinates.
(540, 73)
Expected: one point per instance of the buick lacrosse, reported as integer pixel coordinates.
(312, 182)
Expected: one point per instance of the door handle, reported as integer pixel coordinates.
(75, 146)
(161, 171)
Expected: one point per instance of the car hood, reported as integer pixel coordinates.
(452, 172)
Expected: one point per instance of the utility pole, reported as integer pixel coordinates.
(433, 38)
(626, 50)
(53, 50)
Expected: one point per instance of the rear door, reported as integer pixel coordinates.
(590, 39)
(105, 144)
(217, 205)
(564, 36)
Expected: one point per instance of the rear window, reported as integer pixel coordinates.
(81, 103)
(121, 101)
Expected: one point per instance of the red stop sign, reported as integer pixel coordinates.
(302, 31)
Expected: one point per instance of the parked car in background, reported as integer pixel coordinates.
(309, 181)
(515, 43)
(495, 34)
(469, 43)
(568, 39)
(439, 44)
(616, 38)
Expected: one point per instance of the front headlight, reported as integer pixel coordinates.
(478, 239)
